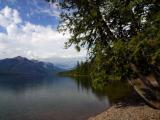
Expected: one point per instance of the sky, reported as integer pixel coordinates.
(28, 29)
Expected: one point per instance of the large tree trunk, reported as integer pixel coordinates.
(147, 87)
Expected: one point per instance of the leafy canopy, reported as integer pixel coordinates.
(117, 33)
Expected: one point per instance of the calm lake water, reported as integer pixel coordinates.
(52, 98)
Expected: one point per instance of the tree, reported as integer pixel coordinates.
(122, 36)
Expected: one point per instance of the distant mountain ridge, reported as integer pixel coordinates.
(23, 66)
(65, 63)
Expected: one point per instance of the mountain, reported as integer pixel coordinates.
(24, 66)
(65, 63)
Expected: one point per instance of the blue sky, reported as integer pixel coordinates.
(28, 28)
(34, 11)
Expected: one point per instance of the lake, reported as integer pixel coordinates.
(51, 98)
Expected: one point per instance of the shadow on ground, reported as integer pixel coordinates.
(131, 100)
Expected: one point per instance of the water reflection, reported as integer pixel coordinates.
(85, 83)
(18, 83)
(48, 98)
(113, 91)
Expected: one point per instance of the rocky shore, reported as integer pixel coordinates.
(130, 108)
(128, 113)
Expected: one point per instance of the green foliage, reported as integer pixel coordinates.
(117, 33)
(82, 69)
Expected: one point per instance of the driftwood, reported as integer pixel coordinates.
(148, 87)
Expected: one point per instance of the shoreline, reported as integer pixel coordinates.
(129, 108)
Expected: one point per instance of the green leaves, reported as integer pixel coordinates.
(77, 48)
(114, 34)
(93, 12)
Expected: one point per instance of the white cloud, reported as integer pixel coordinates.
(52, 9)
(29, 40)
(9, 16)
